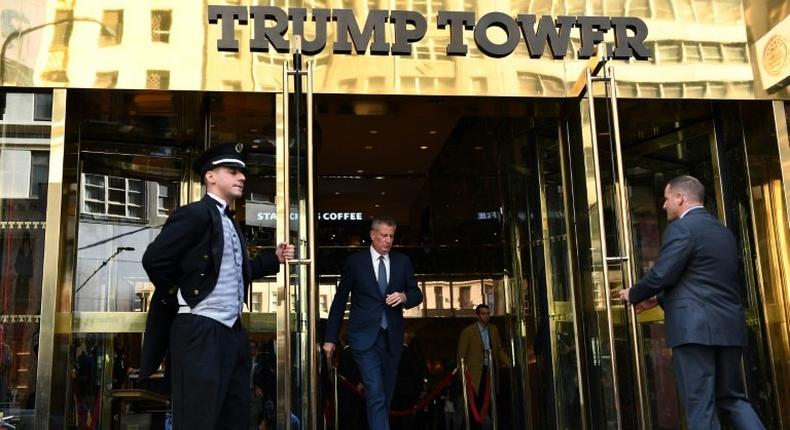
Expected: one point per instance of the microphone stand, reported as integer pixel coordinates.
(104, 263)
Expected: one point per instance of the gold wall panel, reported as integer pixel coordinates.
(701, 49)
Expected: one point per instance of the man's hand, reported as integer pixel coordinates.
(396, 299)
(641, 306)
(284, 252)
(647, 304)
(329, 350)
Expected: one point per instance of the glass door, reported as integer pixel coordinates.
(625, 171)
(134, 151)
(297, 341)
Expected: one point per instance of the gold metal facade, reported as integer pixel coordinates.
(701, 49)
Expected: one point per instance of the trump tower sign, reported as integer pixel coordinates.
(271, 24)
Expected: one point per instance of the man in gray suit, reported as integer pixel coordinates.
(696, 282)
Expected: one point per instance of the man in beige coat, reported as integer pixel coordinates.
(472, 346)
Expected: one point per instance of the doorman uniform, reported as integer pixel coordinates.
(200, 269)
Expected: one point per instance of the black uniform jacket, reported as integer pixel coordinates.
(186, 256)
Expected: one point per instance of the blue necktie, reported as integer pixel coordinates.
(383, 288)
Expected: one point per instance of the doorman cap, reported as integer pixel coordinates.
(226, 154)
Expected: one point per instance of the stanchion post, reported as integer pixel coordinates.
(466, 397)
(335, 380)
(492, 387)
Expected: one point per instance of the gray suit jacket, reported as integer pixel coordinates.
(697, 282)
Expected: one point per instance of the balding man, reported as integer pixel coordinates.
(696, 282)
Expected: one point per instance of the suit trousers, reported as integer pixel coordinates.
(709, 378)
(378, 367)
(211, 370)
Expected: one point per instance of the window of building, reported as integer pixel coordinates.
(42, 107)
(23, 174)
(106, 79)
(663, 9)
(694, 89)
(465, 297)
(161, 20)
(376, 83)
(112, 196)
(703, 10)
(683, 10)
(691, 52)
(614, 8)
(231, 85)
(669, 52)
(15, 174)
(157, 79)
(735, 53)
(529, 83)
(640, 8)
(728, 11)
(673, 90)
(422, 52)
(711, 53)
(438, 293)
(575, 7)
(55, 76)
(62, 32)
(257, 302)
(165, 199)
(347, 84)
(111, 27)
(39, 173)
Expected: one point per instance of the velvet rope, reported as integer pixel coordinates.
(480, 415)
(421, 404)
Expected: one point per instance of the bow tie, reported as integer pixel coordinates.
(228, 211)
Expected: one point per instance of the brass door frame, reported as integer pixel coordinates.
(305, 319)
(52, 251)
(585, 86)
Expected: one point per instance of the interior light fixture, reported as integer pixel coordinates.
(424, 147)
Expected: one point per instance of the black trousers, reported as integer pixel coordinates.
(709, 378)
(211, 370)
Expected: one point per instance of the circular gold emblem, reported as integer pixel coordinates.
(775, 55)
(239, 147)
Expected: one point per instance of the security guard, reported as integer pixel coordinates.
(200, 268)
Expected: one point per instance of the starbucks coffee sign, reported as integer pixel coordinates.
(271, 25)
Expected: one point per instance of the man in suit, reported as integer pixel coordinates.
(200, 270)
(475, 340)
(696, 282)
(381, 284)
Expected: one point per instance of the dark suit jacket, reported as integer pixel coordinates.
(187, 255)
(696, 280)
(367, 302)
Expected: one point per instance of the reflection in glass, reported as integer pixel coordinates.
(24, 177)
